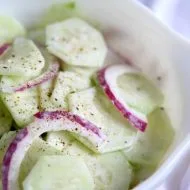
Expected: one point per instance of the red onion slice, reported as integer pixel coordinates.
(3, 48)
(107, 78)
(44, 122)
(50, 73)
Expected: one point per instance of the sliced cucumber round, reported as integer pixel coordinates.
(83, 71)
(139, 92)
(50, 73)
(45, 91)
(59, 173)
(76, 43)
(65, 84)
(105, 177)
(10, 29)
(151, 145)
(94, 106)
(66, 143)
(21, 105)
(23, 59)
(38, 149)
(111, 171)
(5, 119)
(60, 140)
(148, 150)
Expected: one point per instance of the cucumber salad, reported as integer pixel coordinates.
(73, 114)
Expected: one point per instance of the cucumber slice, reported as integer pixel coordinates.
(59, 140)
(67, 144)
(38, 149)
(5, 119)
(110, 171)
(45, 91)
(23, 59)
(83, 71)
(139, 92)
(21, 105)
(105, 177)
(13, 84)
(49, 170)
(92, 105)
(8, 83)
(150, 147)
(10, 29)
(66, 83)
(49, 58)
(141, 172)
(58, 12)
(76, 43)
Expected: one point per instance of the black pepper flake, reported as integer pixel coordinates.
(162, 108)
(39, 61)
(77, 108)
(56, 99)
(5, 67)
(91, 114)
(13, 55)
(159, 78)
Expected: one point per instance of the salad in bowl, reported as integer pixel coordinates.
(74, 113)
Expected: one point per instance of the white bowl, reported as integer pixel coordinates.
(155, 49)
